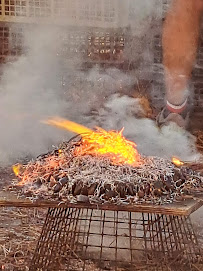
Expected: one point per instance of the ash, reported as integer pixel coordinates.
(62, 176)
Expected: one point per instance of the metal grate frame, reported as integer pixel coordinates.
(115, 240)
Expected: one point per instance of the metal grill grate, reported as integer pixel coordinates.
(101, 46)
(90, 239)
(106, 46)
(4, 42)
(39, 8)
(80, 12)
(15, 7)
(11, 42)
(61, 8)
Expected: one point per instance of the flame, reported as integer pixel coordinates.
(109, 144)
(60, 152)
(68, 125)
(48, 165)
(112, 144)
(177, 162)
(16, 169)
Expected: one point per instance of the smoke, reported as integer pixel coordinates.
(47, 81)
(29, 92)
(124, 111)
(40, 84)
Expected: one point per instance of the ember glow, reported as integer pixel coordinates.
(177, 162)
(112, 144)
(49, 164)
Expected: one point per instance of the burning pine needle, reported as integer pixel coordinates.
(112, 144)
(101, 166)
(68, 174)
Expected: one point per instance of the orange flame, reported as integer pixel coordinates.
(109, 144)
(48, 165)
(68, 125)
(100, 142)
(177, 162)
(112, 145)
(16, 169)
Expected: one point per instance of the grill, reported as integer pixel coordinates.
(89, 239)
(90, 234)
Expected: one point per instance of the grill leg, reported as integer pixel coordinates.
(170, 242)
(55, 239)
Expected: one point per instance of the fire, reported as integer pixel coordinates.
(68, 125)
(112, 144)
(177, 162)
(16, 169)
(109, 144)
(49, 164)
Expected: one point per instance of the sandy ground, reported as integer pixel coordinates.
(19, 231)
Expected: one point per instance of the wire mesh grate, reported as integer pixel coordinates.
(87, 239)
(39, 8)
(15, 7)
(4, 42)
(11, 42)
(84, 11)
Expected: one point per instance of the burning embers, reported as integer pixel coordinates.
(104, 167)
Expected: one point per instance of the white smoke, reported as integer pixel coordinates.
(30, 91)
(123, 111)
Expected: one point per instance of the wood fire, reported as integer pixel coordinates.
(99, 167)
(112, 144)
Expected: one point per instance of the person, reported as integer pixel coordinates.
(181, 32)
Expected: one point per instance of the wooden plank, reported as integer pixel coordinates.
(184, 208)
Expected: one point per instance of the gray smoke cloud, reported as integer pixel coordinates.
(29, 92)
(168, 141)
(44, 83)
